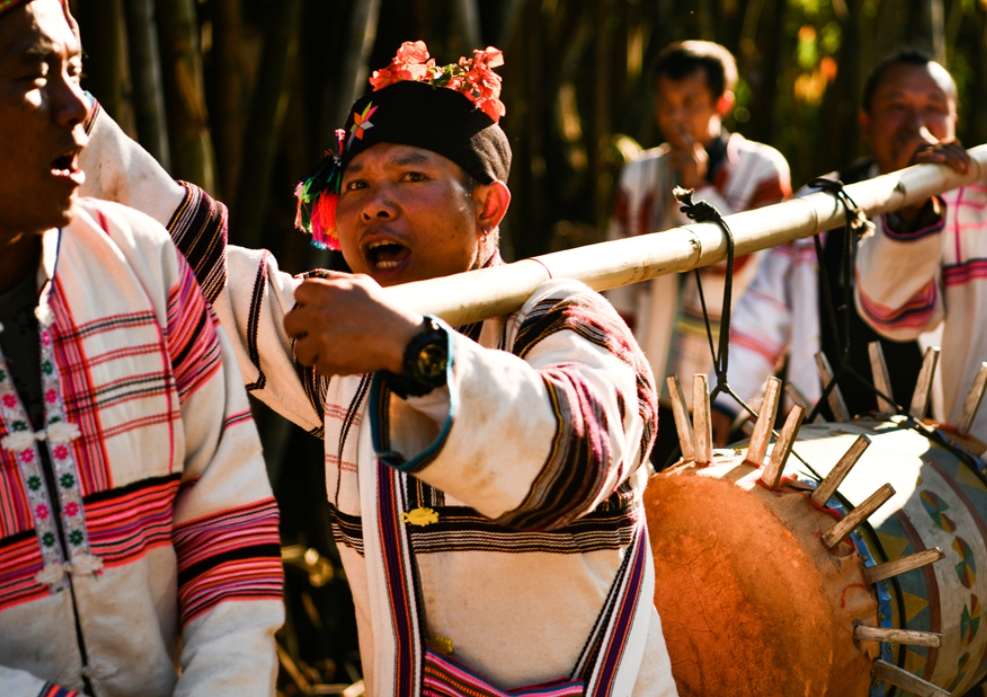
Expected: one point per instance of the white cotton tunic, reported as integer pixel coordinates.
(534, 471)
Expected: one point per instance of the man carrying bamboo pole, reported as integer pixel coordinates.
(138, 533)
(694, 92)
(485, 483)
(926, 265)
(908, 116)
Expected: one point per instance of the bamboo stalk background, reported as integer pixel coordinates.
(476, 295)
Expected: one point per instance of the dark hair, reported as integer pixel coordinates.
(683, 58)
(903, 56)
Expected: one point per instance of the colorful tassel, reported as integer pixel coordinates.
(317, 197)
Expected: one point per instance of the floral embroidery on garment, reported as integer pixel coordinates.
(57, 435)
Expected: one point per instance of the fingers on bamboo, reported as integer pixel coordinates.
(889, 635)
(882, 379)
(783, 447)
(973, 399)
(702, 427)
(765, 424)
(923, 388)
(837, 404)
(683, 425)
(827, 487)
(873, 574)
(899, 677)
(858, 515)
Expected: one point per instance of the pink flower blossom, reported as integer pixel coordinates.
(9, 401)
(51, 396)
(27, 456)
(382, 78)
(42, 511)
(71, 509)
(46, 338)
(412, 52)
(472, 77)
(61, 452)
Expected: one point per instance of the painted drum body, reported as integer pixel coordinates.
(752, 602)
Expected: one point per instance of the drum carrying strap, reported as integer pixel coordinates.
(423, 672)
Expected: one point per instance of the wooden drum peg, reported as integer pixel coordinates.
(702, 427)
(680, 412)
(858, 515)
(828, 486)
(923, 388)
(837, 404)
(765, 424)
(783, 447)
(882, 378)
(873, 574)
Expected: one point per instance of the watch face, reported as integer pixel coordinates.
(432, 361)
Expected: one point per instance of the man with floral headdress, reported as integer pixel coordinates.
(138, 533)
(485, 482)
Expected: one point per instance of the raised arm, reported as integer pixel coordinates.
(118, 169)
(248, 291)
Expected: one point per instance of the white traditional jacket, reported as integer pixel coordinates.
(666, 313)
(491, 532)
(910, 282)
(777, 318)
(158, 573)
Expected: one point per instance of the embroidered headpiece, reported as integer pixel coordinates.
(458, 121)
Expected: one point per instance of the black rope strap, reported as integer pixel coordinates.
(704, 212)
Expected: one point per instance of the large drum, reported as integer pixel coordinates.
(770, 586)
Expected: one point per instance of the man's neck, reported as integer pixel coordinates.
(20, 254)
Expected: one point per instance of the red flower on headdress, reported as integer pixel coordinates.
(472, 77)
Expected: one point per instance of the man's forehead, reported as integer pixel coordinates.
(931, 79)
(37, 29)
(398, 155)
(693, 83)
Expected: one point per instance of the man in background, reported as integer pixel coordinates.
(909, 111)
(694, 93)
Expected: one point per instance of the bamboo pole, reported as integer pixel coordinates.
(500, 290)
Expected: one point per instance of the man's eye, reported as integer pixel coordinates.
(414, 177)
(355, 184)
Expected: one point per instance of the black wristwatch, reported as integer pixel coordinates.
(425, 360)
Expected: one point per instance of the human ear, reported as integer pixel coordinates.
(724, 105)
(493, 200)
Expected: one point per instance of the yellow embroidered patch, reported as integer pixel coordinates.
(440, 644)
(420, 517)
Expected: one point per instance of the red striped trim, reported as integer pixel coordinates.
(234, 419)
(401, 575)
(125, 352)
(123, 526)
(959, 274)
(20, 562)
(446, 677)
(143, 422)
(911, 235)
(191, 337)
(53, 690)
(914, 313)
(770, 351)
(15, 510)
(79, 396)
(231, 555)
(241, 580)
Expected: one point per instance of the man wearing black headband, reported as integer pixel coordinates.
(485, 482)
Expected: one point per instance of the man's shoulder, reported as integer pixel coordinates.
(751, 149)
(124, 225)
(564, 302)
(647, 158)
